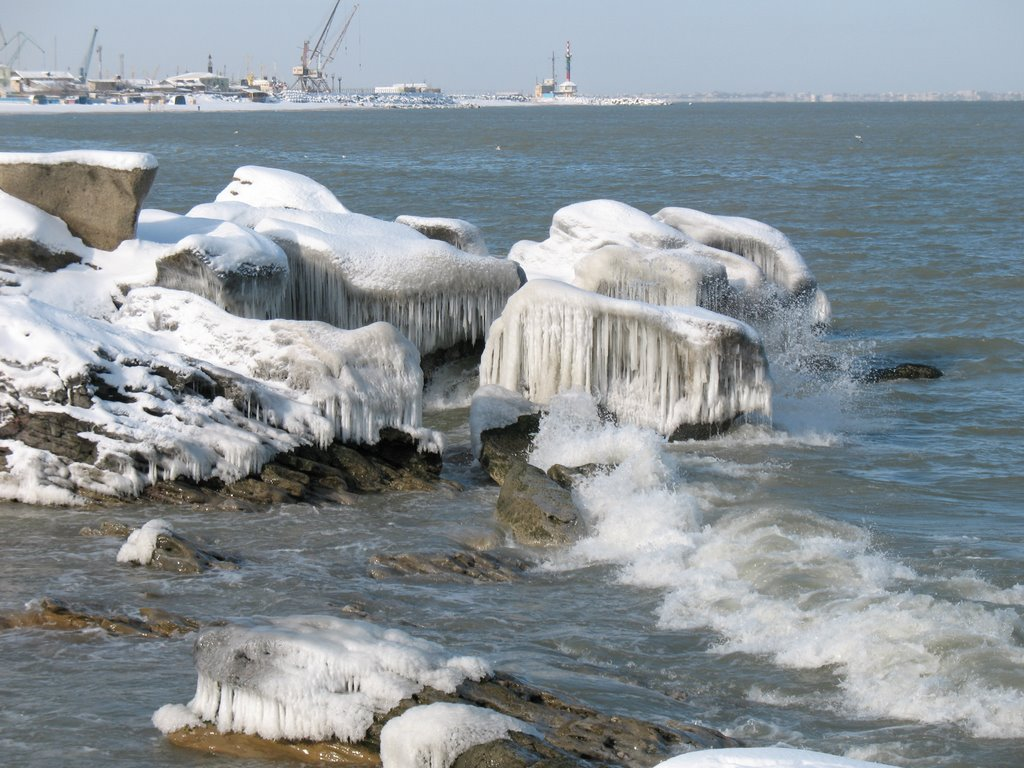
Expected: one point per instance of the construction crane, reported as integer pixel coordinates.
(311, 79)
(20, 38)
(83, 71)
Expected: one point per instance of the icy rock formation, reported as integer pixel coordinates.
(263, 187)
(98, 194)
(581, 228)
(668, 369)
(176, 387)
(159, 546)
(32, 238)
(433, 736)
(764, 757)
(463, 235)
(241, 272)
(762, 244)
(310, 677)
(352, 270)
(664, 277)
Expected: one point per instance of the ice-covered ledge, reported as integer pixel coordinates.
(666, 368)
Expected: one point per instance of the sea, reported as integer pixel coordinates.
(848, 578)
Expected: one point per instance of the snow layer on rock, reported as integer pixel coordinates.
(764, 757)
(658, 367)
(580, 228)
(118, 161)
(493, 406)
(312, 677)
(23, 221)
(141, 543)
(352, 270)
(276, 188)
(433, 736)
(665, 277)
(360, 380)
(463, 235)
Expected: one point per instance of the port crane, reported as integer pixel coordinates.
(310, 76)
(83, 71)
(20, 38)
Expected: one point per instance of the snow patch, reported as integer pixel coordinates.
(118, 161)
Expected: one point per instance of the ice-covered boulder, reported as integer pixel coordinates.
(311, 678)
(582, 228)
(98, 194)
(462, 234)
(670, 369)
(33, 239)
(263, 187)
(176, 387)
(351, 270)
(762, 244)
(666, 277)
(232, 266)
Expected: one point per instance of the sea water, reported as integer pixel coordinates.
(849, 579)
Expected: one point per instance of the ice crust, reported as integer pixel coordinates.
(657, 367)
(433, 736)
(312, 677)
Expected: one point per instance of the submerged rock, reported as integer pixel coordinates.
(901, 371)
(537, 510)
(50, 613)
(98, 194)
(468, 566)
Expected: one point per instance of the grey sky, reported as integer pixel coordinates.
(619, 46)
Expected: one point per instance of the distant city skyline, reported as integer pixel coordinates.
(474, 46)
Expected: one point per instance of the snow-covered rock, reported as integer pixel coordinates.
(97, 193)
(33, 239)
(665, 368)
(462, 234)
(177, 387)
(232, 266)
(432, 736)
(263, 187)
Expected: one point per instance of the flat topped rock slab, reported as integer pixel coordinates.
(97, 194)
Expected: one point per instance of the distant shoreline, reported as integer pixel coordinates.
(211, 103)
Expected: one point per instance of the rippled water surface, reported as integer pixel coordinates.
(849, 580)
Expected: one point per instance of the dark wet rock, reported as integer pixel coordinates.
(501, 447)
(247, 291)
(21, 252)
(536, 510)
(53, 431)
(901, 371)
(569, 477)
(572, 734)
(464, 566)
(702, 431)
(99, 204)
(50, 613)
